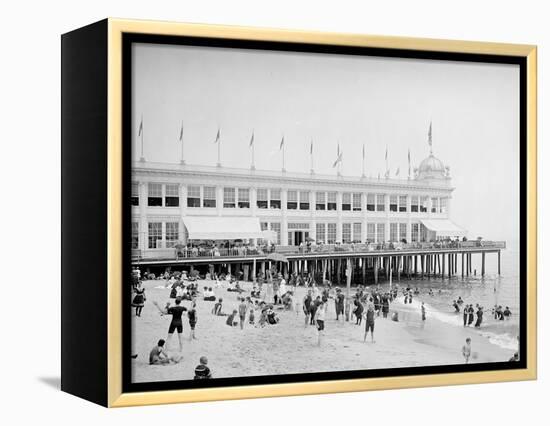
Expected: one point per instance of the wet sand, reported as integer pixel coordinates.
(290, 347)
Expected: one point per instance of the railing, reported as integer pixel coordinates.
(243, 251)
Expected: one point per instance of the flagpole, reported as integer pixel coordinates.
(311, 156)
(252, 144)
(283, 152)
(363, 163)
(182, 161)
(141, 127)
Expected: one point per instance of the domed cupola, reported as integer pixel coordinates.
(432, 167)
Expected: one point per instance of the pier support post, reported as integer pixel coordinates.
(462, 268)
(443, 268)
(499, 262)
(483, 264)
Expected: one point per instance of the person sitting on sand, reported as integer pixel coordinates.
(231, 319)
(202, 371)
(514, 358)
(272, 318)
(263, 315)
(158, 356)
(288, 301)
(467, 350)
(209, 295)
(217, 310)
(459, 301)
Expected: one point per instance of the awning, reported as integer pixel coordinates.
(444, 227)
(222, 228)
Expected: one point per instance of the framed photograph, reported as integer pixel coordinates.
(255, 212)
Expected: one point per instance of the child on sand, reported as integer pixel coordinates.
(369, 322)
(467, 350)
(217, 310)
(320, 320)
(231, 319)
(202, 371)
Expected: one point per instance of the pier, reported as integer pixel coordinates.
(366, 263)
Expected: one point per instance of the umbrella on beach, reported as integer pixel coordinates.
(277, 257)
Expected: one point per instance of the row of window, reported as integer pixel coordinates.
(205, 196)
(325, 232)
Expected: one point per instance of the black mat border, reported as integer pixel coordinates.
(130, 38)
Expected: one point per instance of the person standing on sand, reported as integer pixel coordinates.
(369, 322)
(242, 312)
(176, 324)
(320, 314)
(465, 315)
(306, 306)
(467, 350)
(192, 315)
(339, 303)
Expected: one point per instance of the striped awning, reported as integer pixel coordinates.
(222, 228)
(444, 227)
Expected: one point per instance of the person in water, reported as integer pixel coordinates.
(479, 314)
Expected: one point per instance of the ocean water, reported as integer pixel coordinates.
(487, 291)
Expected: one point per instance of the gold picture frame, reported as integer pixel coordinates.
(116, 28)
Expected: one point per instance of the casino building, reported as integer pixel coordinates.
(174, 203)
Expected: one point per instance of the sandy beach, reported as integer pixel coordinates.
(290, 347)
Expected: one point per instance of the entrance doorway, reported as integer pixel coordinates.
(297, 237)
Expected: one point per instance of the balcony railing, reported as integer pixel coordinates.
(178, 253)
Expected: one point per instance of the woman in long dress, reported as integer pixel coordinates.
(139, 299)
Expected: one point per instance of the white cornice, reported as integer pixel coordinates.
(254, 177)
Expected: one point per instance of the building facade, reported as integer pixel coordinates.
(296, 206)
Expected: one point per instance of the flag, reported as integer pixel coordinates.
(430, 135)
(282, 143)
(181, 132)
(338, 159)
(397, 172)
(251, 139)
(217, 137)
(140, 131)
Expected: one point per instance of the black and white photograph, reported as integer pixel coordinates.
(299, 212)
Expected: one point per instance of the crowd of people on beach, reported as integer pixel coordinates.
(260, 304)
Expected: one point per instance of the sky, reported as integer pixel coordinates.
(337, 99)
